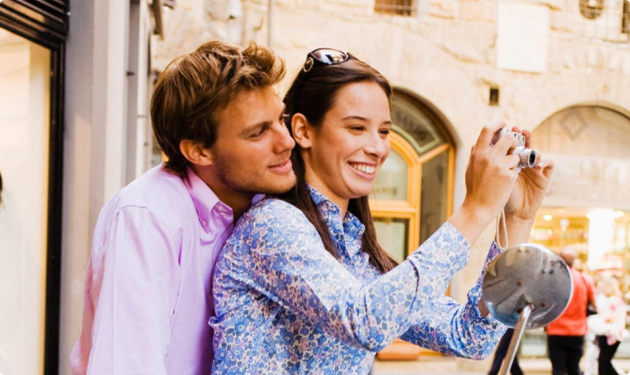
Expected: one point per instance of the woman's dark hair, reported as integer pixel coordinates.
(312, 94)
(0, 189)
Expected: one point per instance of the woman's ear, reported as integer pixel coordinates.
(302, 130)
(195, 153)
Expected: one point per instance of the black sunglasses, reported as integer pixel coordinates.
(324, 56)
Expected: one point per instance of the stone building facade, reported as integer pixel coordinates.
(558, 67)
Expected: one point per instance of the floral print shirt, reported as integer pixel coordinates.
(285, 305)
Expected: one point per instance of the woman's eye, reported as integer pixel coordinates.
(384, 131)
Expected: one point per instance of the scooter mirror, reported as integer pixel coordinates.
(527, 275)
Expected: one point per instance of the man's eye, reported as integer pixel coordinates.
(284, 117)
(258, 134)
(357, 128)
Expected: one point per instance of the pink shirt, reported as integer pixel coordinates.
(148, 286)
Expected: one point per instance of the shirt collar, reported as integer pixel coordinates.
(316, 196)
(210, 210)
(351, 224)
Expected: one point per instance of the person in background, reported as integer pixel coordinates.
(565, 335)
(499, 355)
(608, 324)
(0, 190)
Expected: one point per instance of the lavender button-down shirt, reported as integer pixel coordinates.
(148, 287)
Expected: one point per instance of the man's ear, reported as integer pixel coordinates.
(302, 131)
(195, 153)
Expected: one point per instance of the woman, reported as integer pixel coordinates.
(302, 286)
(608, 324)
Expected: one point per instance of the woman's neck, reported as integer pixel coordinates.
(341, 203)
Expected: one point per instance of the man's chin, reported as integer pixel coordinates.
(275, 186)
(281, 187)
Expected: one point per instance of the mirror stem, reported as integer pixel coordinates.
(516, 338)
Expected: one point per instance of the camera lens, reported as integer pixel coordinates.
(528, 157)
(532, 158)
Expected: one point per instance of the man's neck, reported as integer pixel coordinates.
(238, 201)
(238, 204)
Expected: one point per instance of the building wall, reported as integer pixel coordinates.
(448, 54)
(105, 130)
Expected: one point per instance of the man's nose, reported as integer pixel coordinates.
(283, 140)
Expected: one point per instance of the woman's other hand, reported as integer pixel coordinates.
(531, 186)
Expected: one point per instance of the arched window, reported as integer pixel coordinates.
(413, 191)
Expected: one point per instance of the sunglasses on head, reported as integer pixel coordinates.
(324, 56)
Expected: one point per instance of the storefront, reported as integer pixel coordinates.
(32, 47)
(588, 205)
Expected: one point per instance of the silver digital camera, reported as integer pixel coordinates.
(528, 157)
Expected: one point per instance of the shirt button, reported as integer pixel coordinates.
(205, 223)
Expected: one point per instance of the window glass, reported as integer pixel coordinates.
(398, 7)
(391, 181)
(393, 236)
(434, 192)
(412, 123)
(24, 143)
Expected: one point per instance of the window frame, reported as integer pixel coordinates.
(46, 23)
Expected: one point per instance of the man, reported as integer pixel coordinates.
(565, 335)
(148, 287)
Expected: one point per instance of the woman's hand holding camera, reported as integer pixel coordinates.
(491, 173)
(490, 179)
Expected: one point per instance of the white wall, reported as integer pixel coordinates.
(95, 136)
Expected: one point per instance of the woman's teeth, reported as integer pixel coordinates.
(369, 169)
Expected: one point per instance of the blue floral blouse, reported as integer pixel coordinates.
(285, 305)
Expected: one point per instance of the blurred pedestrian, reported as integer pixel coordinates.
(608, 324)
(565, 335)
(0, 190)
(499, 356)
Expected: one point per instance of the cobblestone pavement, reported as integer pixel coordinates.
(450, 366)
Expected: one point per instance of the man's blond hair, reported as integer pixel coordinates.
(195, 86)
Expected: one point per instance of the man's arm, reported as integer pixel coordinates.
(131, 292)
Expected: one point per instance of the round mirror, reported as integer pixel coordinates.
(527, 275)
